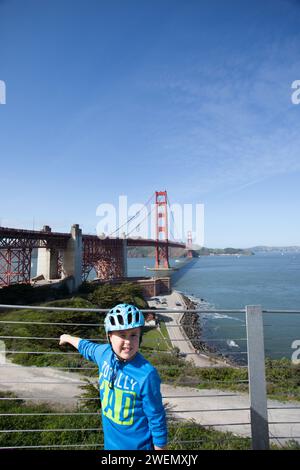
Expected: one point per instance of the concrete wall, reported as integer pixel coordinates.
(72, 257)
(47, 263)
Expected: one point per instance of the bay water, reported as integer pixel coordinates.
(271, 280)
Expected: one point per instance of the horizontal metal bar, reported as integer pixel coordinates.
(190, 422)
(49, 430)
(158, 366)
(21, 322)
(55, 309)
(158, 310)
(44, 352)
(284, 407)
(52, 446)
(48, 339)
(100, 428)
(51, 414)
(201, 396)
(76, 353)
(48, 398)
(275, 352)
(217, 340)
(103, 340)
(13, 366)
(172, 418)
(49, 323)
(280, 311)
(97, 399)
(211, 340)
(285, 325)
(98, 414)
(100, 310)
(284, 422)
(220, 424)
(199, 382)
(217, 355)
(198, 441)
(210, 410)
(41, 383)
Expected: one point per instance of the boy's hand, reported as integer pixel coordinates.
(63, 339)
(68, 339)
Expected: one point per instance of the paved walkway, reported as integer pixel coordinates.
(229, 411)
(176, 333)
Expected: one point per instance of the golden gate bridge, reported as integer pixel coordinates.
(61, 255)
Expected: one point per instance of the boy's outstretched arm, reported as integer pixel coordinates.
(73, 340)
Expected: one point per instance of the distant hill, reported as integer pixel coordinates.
(276, 248)
(149, 252)
(224, 251)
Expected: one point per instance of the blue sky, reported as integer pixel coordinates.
(109, 98)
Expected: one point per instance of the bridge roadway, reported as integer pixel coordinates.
(47, 237)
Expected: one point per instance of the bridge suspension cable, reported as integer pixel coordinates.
(172, 215)
(147, 216)
(131, 218)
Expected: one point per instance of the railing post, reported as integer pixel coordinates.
(257, 378)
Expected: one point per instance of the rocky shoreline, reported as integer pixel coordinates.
(192, 327)
(193, 330)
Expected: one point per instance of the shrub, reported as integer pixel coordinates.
(106, 295)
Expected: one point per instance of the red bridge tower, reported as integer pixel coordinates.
(161, 252)
(189, 245)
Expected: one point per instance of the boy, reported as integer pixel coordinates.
(133, 415)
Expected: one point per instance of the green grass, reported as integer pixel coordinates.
(165, 334)
(49, 331)
(153, 339)
(49, 423)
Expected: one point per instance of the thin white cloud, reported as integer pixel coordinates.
(234, 123)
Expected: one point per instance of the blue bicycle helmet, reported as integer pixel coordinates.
(123, 317)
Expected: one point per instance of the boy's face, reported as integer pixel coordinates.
(125, 343)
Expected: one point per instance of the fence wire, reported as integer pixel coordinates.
(172, 414)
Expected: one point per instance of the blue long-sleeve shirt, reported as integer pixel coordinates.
(133, 416)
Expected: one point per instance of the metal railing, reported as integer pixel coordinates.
(255, 419)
